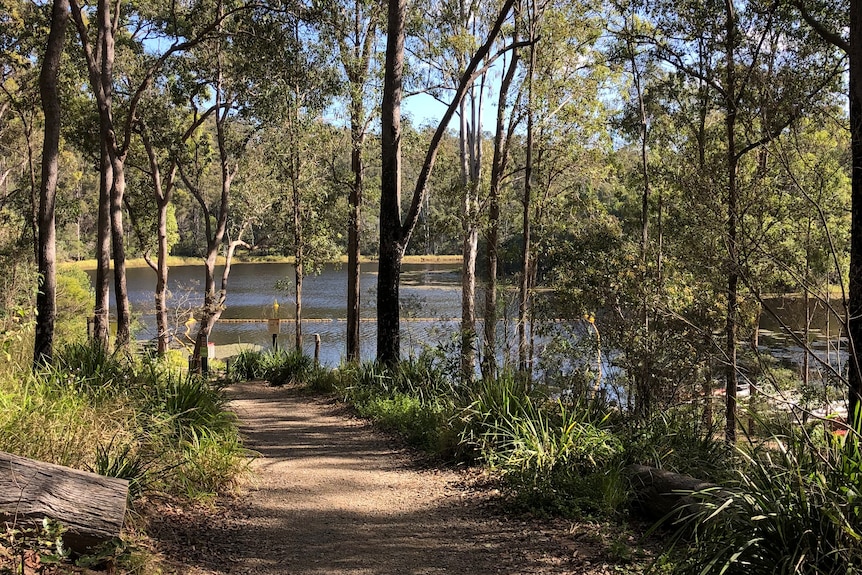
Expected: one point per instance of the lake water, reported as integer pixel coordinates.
(430, 299)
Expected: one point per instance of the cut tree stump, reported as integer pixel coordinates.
(90, 507)
(659, 492)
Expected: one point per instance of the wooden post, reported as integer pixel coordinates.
(89, 506)
(317, 349)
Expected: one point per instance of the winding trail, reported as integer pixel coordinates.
(330, 495)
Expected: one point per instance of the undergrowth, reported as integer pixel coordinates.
(163, 430)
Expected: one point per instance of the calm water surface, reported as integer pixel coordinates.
(430, 302)
(430, 299)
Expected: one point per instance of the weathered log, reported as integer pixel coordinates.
(90, 507)
(659, 492)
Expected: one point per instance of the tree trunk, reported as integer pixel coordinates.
(498, 166)
(471, 158)
(391, 248)
(118, 241)
(354, 267)
(394, 236)
(855, 303)
(161, 295)
(43, 348)
(101, 318)
(731, 377)
(298, 251)
(524, 299)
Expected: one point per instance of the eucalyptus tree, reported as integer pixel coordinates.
(395, 231)
(290, 92)
(353, 27)
(503, 134)
(211, 161)
(165, 127)
(636, 61)
(43, 346)
(763, 75)
(100, 32)
(442, 38)
(840, 25)
(563, 114)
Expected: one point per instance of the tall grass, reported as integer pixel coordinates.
(792, 507)
(278, 367)
(112, 414)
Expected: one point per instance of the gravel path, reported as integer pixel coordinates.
(329, 495)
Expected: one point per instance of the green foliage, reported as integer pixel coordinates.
(189, 404)
(158, 428)
(44, 542)
(278, 367)
(123, 462)
(92, 368)
(793, 507)
(74, 302)
(677, 440)
(423, 424)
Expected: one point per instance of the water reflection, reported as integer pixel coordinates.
(430, 303)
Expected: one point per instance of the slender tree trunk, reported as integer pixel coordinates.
(354, 267)
(855, 303)
(101, 318)
(161, 295)
(731, 377)
(298, 240)
(43, 348)
(524, 300)
(471, 138)
(118, 241)
(498, 164)
(391, 248)
(644, 392)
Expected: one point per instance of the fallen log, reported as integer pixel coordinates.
(659, 492)
(90, 507)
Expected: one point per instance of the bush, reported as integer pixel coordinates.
(792, 508)
(277, 367)
(423, 424)
(139, 421)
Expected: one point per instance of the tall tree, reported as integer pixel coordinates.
(499, 161)
(852, 47)
(744, 53)
(395, 233)
(48, 87)
(354, 27)
(116, 130)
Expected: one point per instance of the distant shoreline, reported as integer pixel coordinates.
(88, 265)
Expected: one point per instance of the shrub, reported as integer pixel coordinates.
(278, 367)
(792, 508)
(189, 404)
(423, 424)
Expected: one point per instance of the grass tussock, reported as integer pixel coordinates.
(163, 430)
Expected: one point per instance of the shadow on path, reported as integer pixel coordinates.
(331, 496)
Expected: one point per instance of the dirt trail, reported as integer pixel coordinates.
(332, 496)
